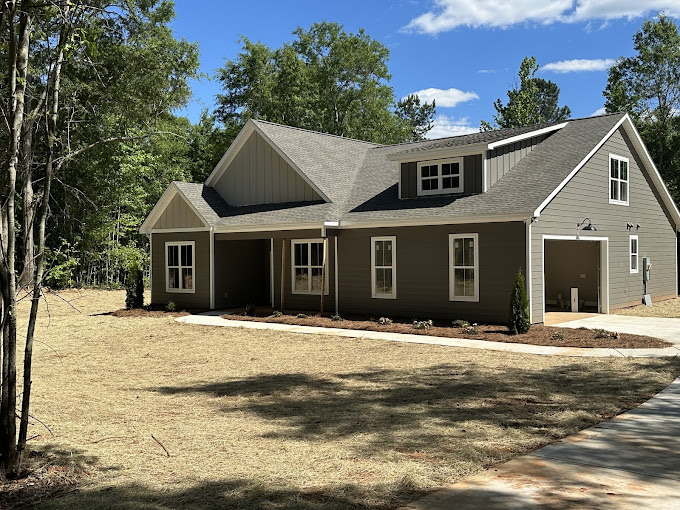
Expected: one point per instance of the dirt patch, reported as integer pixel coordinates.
(141, 312)
(537, 335)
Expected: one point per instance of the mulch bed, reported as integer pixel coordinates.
(141, 312)
(537, 335)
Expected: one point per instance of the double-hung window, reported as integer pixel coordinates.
(463, 267)
(440, 176)
(308, 264)
(618, 180)
(179, 266)
(634, 247)
(384, 267)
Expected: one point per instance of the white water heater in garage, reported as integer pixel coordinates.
(574, 299)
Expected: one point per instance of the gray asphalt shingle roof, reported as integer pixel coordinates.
(362, 184)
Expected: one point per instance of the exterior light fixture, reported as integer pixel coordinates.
(589, 227)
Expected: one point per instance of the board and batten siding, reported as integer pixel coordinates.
(586, 195)
(178, 214)
(501, 160)
(259, 175)
(472, 176)
(422, 271)
(201, 297)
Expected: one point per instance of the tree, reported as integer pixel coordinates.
(325, 80)
(647, 86)
(531, 101)
(519, 321)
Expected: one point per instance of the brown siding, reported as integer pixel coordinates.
(472, 176)
(200, 298)
(587, 195)
(259, 175)
(423, 271)
(502, 159)
(178, 214)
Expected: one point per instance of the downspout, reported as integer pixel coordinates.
(529, 271)
(212, 268)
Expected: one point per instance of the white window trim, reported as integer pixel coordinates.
(637, 254)
(452, 294)
(375, 295)
(627, 181)
(192, 266)
(440, 190)
(308, 242)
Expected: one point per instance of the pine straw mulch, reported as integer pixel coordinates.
(537, 335)
(144, 312)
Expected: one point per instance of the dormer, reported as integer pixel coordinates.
(464, 165)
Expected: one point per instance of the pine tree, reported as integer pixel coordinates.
(519, 322)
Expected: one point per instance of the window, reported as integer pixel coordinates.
(441, 176)
(179, 264)
(464, 267)
(634, 254)
(383, 267)
(618, 180)
(307, 260)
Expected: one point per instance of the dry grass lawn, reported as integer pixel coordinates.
(668, 308)
(263, 420)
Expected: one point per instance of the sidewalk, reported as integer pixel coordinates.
(214, 319)
(628, 462)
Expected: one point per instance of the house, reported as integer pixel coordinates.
(430, 229)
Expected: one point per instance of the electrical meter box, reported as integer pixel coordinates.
(646, 269)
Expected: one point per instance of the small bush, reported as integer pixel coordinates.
(171, 306)
(250, 310)
(384, 321)
(337, 318)
(277, 313)
(519, 322)
(471, 329)
(422, 324)
(601, 333)
(460, 323)
(134, 287)
(302, 316)
(556, 337)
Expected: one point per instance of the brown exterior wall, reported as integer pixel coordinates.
(423, 271)
(587, 195)
(472, 176)
(201, 297)
(501, 160)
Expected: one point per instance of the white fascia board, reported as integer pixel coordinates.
(268, 227)
(444, 152)
(654, 172)
(559, 188)
(524, 136)
(451, 220)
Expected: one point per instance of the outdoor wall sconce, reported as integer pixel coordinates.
(629, 226)
(588, 227)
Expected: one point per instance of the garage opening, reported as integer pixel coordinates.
(575, 279)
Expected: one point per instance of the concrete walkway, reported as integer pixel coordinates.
(214, 319)
(658, 327)
(628, 462)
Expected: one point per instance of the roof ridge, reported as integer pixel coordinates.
(347, 138)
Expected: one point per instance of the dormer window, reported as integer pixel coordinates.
(440, 176)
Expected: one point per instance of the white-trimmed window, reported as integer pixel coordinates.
(634, 259)
(463, 267)
(618, 180)
(307, 266)
(440, 176)
(179, 266)
(384, 267)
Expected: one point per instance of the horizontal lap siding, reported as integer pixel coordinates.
(422, 271)
(587, 195)
(200, 298)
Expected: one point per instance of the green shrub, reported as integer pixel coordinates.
(134, 287)
(302, 316)
(460, 323)
(519, 322)
(250, 310)
(601, 333)
(559, 336)
(471, 330)
(384, 321)
(422, 324)
(171, 306)
(277, 313)
(337, 318)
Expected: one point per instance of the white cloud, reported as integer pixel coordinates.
(599, 111)
(445, 98)
(446, 15)
(486, 71)
(444, 126)
(579, 64)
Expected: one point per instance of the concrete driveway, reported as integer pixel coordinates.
(658, 327)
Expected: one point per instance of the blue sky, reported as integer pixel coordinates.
(464, 53)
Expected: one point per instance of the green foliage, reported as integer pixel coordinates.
(302, 316)
(647, 86)
(557, 337)
(325, 80)
(277, 313)
(519, 321)
(250, 310)
(171, 306)
(532, 101)
(601, 333)
(337, 318)
(460, 323)
(134, 287)
(62, 263)
(422, 324)
(384, 321)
